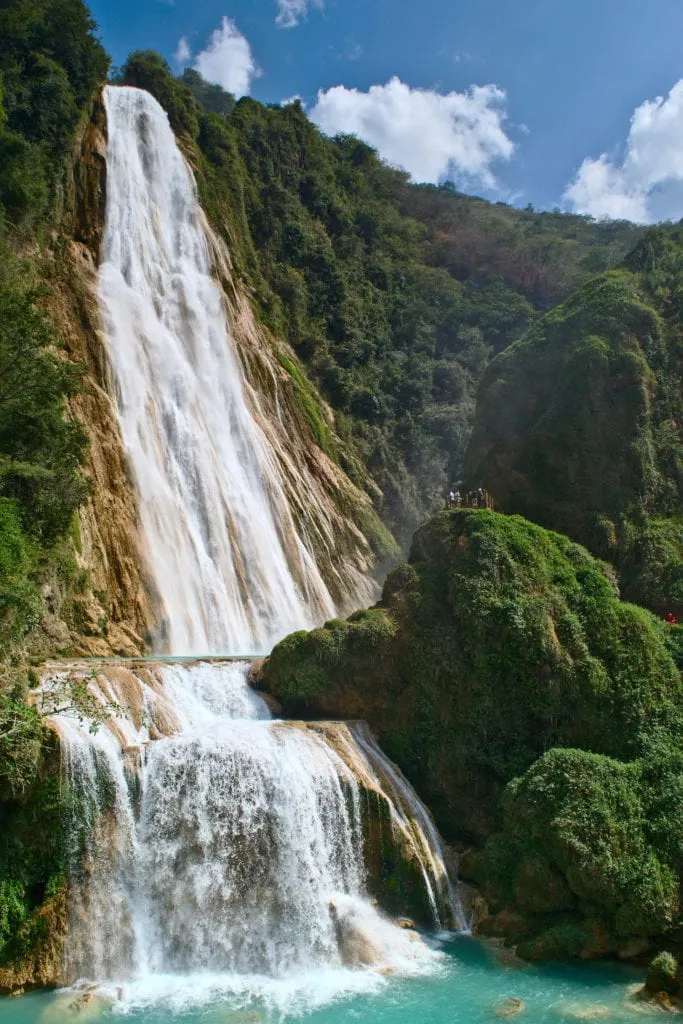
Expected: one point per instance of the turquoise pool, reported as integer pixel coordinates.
(466, 984)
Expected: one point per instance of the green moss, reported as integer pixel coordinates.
(309, 403)
(498, 641)
(32, 860)
(305, 664)
(561, 942)
(588, 816)
(662, 975)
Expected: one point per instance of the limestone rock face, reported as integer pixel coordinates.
(118, 612)
(44, 967)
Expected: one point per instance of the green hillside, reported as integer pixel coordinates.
(578, 425)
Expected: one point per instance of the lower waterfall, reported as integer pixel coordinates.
(224, 849)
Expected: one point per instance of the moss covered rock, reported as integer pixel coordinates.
(498, 641)
(537, 714)
(607, 830)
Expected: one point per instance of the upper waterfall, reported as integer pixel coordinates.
(232, 571)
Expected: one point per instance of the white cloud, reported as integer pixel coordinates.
(227, 60)
(646, 184)
(432, 135)
(183, 52)
(352, 51)
(290, 12)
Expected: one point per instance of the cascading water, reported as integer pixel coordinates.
(233, 574)
(215, 850)
(231, 848)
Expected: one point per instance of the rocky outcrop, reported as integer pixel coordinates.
(43, 967)
(497, 642)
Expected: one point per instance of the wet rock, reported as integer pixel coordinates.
(632, 948)
(479, 912)
(44, 966)
(505, 925)
(598, 942)
(666, 1002)
(509, 1007)
(273, 704)
(541, 889)
(468, 864)
(662, 974)
(405, 922)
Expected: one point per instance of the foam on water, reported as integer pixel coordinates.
(468, 986)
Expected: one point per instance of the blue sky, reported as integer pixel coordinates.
(570, 76)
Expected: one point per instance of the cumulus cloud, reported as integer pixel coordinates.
(646, 183)
(227, 60)
(431, 135)
(183, 52)
(290, 12)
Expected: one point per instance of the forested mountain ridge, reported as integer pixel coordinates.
(578, 425)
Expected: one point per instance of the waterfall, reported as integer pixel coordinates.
(232, 572)
(215, 849)
(232, 846)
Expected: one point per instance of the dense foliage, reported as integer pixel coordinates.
(392, 295)
(498, 643)
(578, 425)
(50, 62)
(32, 862)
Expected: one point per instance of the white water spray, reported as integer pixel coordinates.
(232, 846)
(233, 574)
